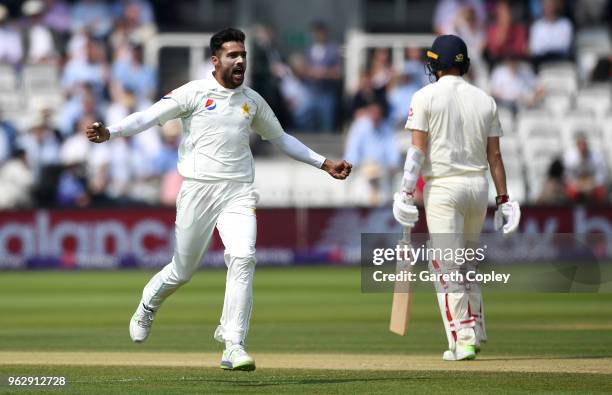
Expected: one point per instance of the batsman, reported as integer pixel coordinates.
(455, 138)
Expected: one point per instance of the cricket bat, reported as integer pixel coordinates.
(402, 295)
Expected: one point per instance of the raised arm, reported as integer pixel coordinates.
(295, 149)
(158, 113)
(267, 126)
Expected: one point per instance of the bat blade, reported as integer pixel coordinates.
(402, 295)
(400, 313)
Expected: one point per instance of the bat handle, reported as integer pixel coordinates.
(406, 234)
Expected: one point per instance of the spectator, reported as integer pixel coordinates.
(505, 37)
(133, 174)
(16, 182)
(92, 70)
(514, 85)
(266, 69)
(414, 62)
(41, 145)
(297, 95)
(380, 68)
(40, 44)
(81, 103)
(400, 94)
(75, 154)
(134, 23)
(57, 16)
(468, 27)
(129, 71)
(553, 191)
(446, 13)
(550, 37)
(372, 149)
(586, 173)
(94, 15)
(8, 137)
(11, 49)
(366, 94)
(140, 8)
(324, 72)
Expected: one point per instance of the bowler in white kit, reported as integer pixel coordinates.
(455, 139)
(218, 114)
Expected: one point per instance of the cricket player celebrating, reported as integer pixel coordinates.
(218, 114)
(455, 132)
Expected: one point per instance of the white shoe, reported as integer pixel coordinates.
(140, 324)
(236, 358)
(466, 353)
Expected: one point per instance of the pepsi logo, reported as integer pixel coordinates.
(210, 104)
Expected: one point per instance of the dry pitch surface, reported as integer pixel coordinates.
(316, 361)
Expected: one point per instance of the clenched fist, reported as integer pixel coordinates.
(338, 169)
(97, 133)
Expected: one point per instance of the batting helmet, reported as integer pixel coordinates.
(448, 51)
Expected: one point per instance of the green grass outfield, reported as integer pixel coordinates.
(305, 320)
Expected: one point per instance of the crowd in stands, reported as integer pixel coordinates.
(96, 48)
(509, 43)
(93, 49)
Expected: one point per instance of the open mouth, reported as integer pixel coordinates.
(238, 72)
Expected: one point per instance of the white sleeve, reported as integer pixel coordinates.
(418, 114)
(495, 130)
(297, 150)
(137, 122)
(265, 122)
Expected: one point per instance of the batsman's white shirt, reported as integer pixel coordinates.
(217, 123)
(459, 118)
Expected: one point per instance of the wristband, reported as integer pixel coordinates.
(501, 199)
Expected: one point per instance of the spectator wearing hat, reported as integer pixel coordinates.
(39, 41)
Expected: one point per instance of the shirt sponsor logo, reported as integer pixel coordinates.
(210, 104)
(410, 113)
(246, 110)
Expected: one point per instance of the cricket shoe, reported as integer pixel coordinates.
(466, 353)
(235, 357)
(140, 324)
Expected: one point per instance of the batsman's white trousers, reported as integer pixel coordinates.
(200, 206)
(455, 208)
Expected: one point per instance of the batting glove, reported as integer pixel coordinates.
(404, 210)
(507, 217)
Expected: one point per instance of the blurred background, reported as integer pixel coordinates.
(340, 76)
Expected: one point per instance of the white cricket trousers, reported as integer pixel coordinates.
(200, 206)
(455, 208)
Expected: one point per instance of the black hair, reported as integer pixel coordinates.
(223, 36)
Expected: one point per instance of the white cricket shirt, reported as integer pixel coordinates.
(459, 118)
(217, 123)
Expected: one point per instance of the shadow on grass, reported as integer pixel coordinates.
(301, 381)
